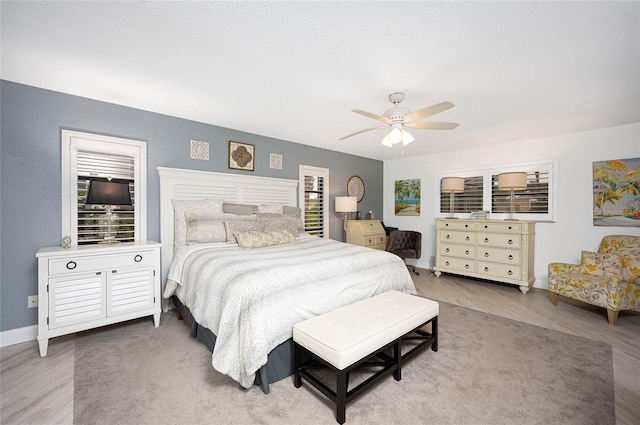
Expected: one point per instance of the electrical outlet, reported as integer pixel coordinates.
(32, 301)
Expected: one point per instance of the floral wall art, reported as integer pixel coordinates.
(407, 197)
(616, 193)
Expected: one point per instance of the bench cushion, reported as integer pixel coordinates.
(350, 333)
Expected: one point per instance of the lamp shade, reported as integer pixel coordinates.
(512, 181)
(108, 192)
(452, 185)
(346, 204)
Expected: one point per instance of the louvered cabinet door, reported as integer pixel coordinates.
(76, 299)
(130, 290)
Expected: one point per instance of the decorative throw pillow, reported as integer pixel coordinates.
(211, 229)
(180, 206)
(289, 220)
(235, 226)
(254, 239)
(271, 208)
(286, 223)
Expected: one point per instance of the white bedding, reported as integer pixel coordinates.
(251, 298)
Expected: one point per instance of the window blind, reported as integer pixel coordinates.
(466, 202)
(533, 200)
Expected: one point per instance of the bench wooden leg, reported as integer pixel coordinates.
(341, 396)
(297, 357)
(434, 332)
(397, 357)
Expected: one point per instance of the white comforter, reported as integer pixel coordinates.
(251, 298)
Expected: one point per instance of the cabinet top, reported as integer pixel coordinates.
(101, 248)
(473, 220)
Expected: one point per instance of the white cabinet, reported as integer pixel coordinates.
(88, 286)
(368, 233)
(488, 249)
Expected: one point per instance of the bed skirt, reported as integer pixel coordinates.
(279, 361)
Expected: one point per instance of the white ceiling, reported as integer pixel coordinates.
(294, 70)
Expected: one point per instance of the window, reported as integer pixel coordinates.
(314, 183)
(85, 156)
(481, 193)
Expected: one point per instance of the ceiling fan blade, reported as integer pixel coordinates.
(370, 115)
(363, 131)
(432, 125)
(428, 111)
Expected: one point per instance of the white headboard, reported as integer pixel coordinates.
(238, 188)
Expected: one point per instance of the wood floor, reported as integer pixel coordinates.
(40, 390)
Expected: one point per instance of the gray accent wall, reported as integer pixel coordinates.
(31, 120)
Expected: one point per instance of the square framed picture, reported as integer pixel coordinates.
(241, 156)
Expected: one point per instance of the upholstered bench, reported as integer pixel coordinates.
(362, 334)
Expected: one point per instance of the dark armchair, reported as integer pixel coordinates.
(405, 244)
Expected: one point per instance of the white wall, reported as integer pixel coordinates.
(574, 154)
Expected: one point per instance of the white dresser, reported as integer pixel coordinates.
(368, 233)
(488, 249)
(87, 286)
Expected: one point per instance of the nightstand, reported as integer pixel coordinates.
(88, 286)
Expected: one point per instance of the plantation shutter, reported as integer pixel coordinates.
(314, 205)
(466, 202)
(533, 200)
(92, 219)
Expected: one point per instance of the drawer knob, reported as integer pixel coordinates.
(486, 269)
(486, 254)
(467, 238)
(509, 227)
(446, 250)
(466, 266)
(466, 225)
(510, 257)
(137, 258)
(448, 236)
(509, 272)
(510, 242)
(486, 240)
(466, 252)
(446, 263)
(71, 265)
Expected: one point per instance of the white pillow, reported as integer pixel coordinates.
(199, 206)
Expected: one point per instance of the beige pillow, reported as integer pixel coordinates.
(239, 209)
(271, 208)
(200, 206)
(255, 239)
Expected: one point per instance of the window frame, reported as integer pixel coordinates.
(487, 192)
(309, 170)
(74, 141)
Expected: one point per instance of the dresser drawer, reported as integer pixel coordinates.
(457, 225)
(493, 270)
(73, 264)
(500, 227)
(458, 264)
(499, 239)
(458, 237)
(498, 255)
(459, 251)
(375, 240)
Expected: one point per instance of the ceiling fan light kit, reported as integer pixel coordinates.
(397, 117)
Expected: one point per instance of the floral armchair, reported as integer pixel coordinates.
(609, 278)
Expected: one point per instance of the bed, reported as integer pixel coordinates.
(241, 297)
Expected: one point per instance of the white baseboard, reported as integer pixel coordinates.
(17, 336)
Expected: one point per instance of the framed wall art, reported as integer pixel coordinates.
(616, 193)
(407, 197)
(241, 156)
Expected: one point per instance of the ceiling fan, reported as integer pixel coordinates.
(399, 117)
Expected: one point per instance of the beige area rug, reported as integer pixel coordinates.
(488, 370)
